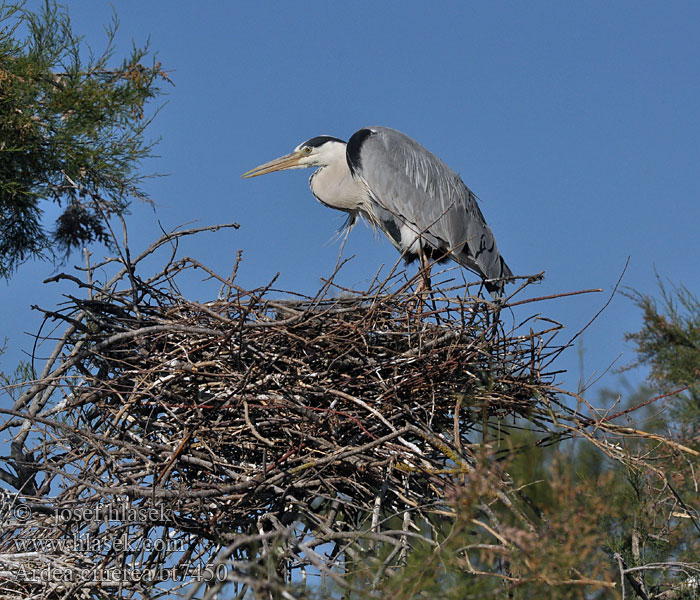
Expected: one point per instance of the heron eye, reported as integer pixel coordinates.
(307, 150)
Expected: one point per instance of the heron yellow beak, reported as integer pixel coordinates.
(288, 161)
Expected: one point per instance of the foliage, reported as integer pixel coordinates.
(669, 343)
(71, 133)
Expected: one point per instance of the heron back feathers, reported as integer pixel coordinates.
(417, 195)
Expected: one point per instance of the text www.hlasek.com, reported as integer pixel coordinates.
(84, 543)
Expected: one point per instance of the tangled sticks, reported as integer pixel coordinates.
(273, 436)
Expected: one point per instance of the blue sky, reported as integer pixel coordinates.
(577, 125)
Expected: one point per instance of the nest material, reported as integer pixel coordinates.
(271, 395)
(242, 418)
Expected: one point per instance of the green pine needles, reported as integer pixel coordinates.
(71, 132)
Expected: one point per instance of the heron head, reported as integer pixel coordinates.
(316, 152)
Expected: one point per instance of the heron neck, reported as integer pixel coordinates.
(334, 186)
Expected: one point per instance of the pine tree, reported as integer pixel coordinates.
(71, 133)
(669, 343)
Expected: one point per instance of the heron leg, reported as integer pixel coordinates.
(424, 285)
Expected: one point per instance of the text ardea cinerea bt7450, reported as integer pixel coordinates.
(422, 205)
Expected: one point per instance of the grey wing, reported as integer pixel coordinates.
(426, 198)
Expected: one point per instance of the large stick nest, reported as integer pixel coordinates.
(244, 417)
(321, 396)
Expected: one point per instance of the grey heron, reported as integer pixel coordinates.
(395, 184)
